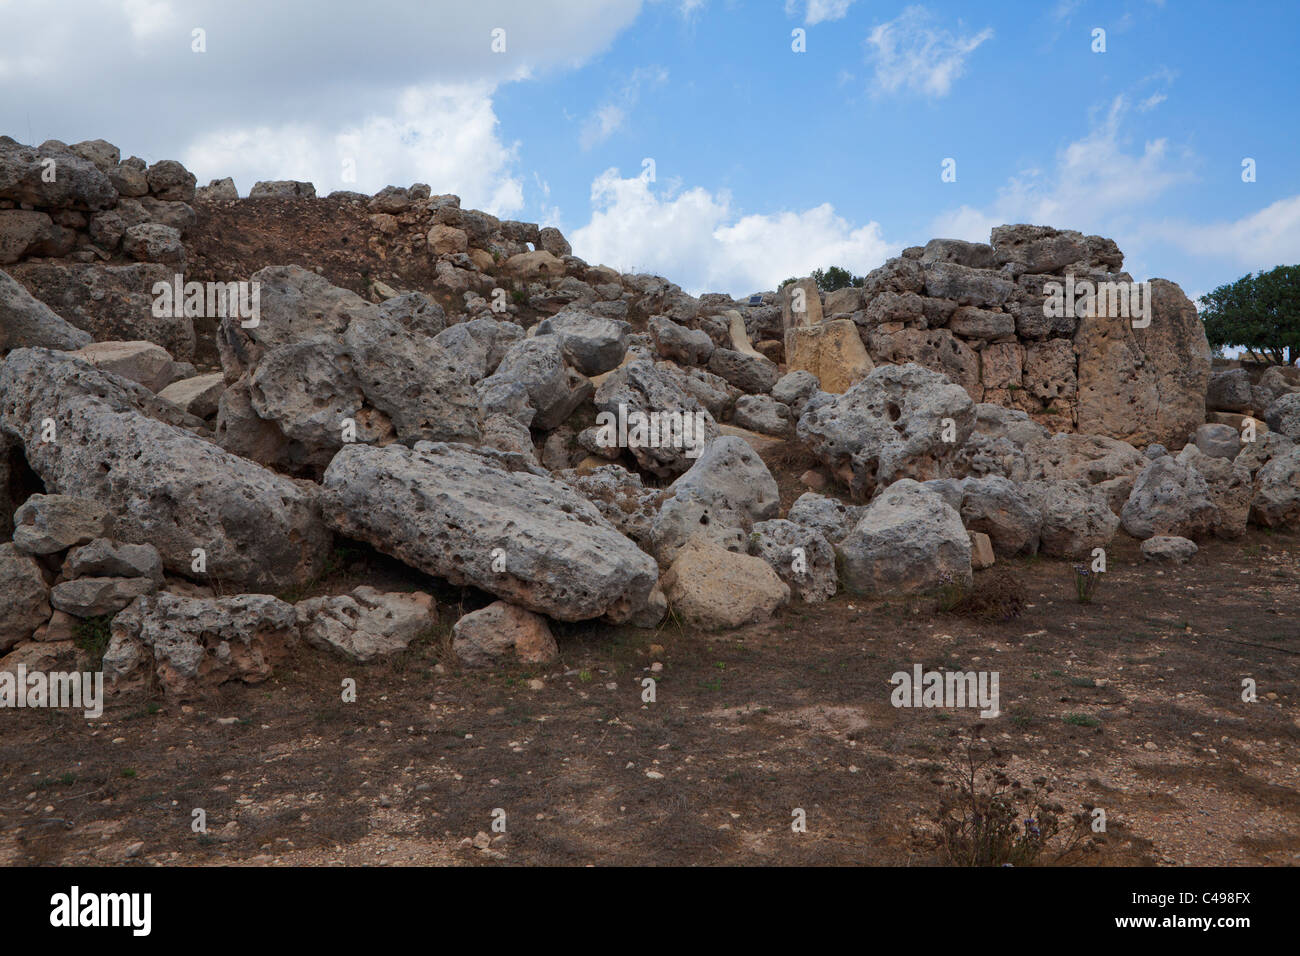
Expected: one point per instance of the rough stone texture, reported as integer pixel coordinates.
(282, 189)
(485, 636)
(981, 551)
(802, 557)
(1230, 486)
(711, 588)
(1230, 391)
(1076, 517)
(830, 517)
(199, 395)
(890, 426)
(832, 351)
(1277, 492)
(810, 314)
(909, 540)
(1144, 385)
(1218, 441)
(141, 362)
(93, 597)
(193, 645)
(162, 484)
(1000, 509)
(639, 386)
(589, 343)
(112, 303)
(1283, 416)
(26, 322)
(795, 388)
(78, 183)
(367, 624)
(24, 597)
(749, 373)
(676, 342)
(720, 497)
(104, 558)
(762, 413)
(1169, 498)
(554, 390)
(46, 524)
(1168, 549)
(455, 512)
(154, 242)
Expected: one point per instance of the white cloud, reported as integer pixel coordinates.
(819, 11)
(1260, 240)
(1097, 183)
(444, 135)
(285, 89)
(912, 52)
(1151, 102)
(696, 238)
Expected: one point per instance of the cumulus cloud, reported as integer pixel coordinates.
(1259, 240)
(914, 53)
(819, 11)
(700, 241)
(1098, 182)
(285, 89)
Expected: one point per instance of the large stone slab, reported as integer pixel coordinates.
(489, 519)
(163, 485)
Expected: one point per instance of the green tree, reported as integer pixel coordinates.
(836, 277)
(1260, 312)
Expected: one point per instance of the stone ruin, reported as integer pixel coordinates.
(173, 468)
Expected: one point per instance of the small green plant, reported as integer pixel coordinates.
(1085, 583)
(91, 635)
(129, 773)
(951, 590)
(1081, 720)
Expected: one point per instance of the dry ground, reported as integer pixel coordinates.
(1132, 702)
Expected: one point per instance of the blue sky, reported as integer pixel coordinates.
(767, 162)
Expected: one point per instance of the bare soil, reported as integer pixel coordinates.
(1132, 703)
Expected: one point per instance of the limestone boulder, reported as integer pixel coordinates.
(491, 520)
(500, 632)
(909, 540)
(367, 624)
(712, 588)
(893, 424)
(800, 556)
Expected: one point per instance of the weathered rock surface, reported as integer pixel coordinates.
(1169, 498)
(193, 645)
(93, 597)
(367, 624)
(104, 558)
(46, 524)
(909, 540)
(1076, 517)
(162, 484)
(720, 497)
(24, 597)
(890, 425)
(485, 636)
(462, 514)
(801, 557)
(710, 587)
(27, 322)
(1168, 549)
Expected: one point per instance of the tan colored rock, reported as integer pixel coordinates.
(1144, 385)
(40, 656)
(810, 314)
(199, 395)
(534, 266)
(936, 349)
(142, 362)
(832, 351)
(482, 259)
(24, 597)
(981, 551)
(484, 637)
(713, 588)
(739, 335)
(447, 240)
(1001, 365)
(367, 624)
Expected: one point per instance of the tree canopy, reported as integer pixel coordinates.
(1260, 312)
